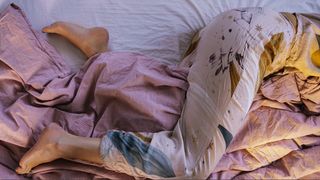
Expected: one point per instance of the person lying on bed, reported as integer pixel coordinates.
(223, 79)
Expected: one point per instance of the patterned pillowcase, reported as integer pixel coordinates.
(233, 53)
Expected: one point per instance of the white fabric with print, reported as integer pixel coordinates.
(223, 78)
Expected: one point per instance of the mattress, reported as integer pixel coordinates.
(161, 29)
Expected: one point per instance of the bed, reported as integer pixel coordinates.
(163, 30)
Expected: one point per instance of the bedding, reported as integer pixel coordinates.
(281, 136)
(65, 169)
(113, 90)
(160, 29)
(307, 36)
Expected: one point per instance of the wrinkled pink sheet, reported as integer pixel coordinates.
(126, 91)
(281, 137)
(112, 91)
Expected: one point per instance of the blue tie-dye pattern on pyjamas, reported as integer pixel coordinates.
(227, 136)
(141, 155)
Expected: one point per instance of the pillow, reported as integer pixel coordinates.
(233, 53)
(18, 41)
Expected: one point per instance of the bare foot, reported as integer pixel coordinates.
(45, 150)
(90, 40)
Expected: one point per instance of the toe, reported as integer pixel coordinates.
(23, 165)
(20, 170)
(23, 169)
(47, 29)
(53, 28)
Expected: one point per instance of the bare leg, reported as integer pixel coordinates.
(89, 40)
(55, 143)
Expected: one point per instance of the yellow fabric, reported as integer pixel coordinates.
(303, 55)
(316, 58)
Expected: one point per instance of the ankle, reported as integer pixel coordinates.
(64, 146)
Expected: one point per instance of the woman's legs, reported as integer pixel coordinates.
(54, 143)
(89, 40)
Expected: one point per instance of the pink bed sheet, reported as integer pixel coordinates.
(113, 90)
(124, 91)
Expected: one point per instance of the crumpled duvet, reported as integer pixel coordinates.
(281, 137)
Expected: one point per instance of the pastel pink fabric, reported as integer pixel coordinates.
(124, 91)
(281, 137)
